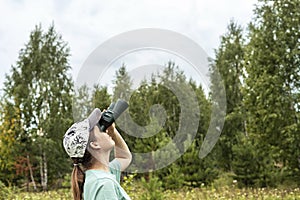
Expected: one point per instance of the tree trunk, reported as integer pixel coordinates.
(45, 185)
(44, 171)
(31, 173)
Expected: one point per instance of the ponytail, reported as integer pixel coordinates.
(77, 182)
(78, 175)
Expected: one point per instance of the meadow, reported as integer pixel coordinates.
(137, 193)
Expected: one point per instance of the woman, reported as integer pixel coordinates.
(93, 175)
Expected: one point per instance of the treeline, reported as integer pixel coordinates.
(260, 140)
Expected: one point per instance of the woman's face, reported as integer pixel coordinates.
(104, 140)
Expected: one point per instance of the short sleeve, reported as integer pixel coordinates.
(115, 169)
(106, 191)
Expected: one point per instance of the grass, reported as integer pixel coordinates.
(234, 193)
(184, 193)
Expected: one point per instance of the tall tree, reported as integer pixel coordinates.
(86, 99)
(122, 84)
(122, 90)
(198, 171)
(163, 126)
(229, 63)
(101, 97)
(40, 88)
(83, 102)
(272, 86)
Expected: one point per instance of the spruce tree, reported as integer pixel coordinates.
(229, 63)
(271, 95)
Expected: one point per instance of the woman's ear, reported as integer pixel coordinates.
(95, 145)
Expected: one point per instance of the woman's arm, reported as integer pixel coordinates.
(122, 152)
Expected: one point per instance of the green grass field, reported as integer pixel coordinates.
(196, 193)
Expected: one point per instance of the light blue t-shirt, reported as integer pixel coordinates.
(104, 185)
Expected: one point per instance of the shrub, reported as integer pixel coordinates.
(224, 180)
(6, 192)
(153, 189)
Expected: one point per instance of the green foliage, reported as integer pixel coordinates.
(157, 92)
(130, 185)
(9, 143)
(153, 189)
(229, 63)
(38, 106)
(82, 102)
(225, 179)
(101, 97)
(172, 178)
(86, 99)
(246, 164)
(5, 192)
(272, 84)
(258, 147)
(66, 181)
(122, 84)
(127, 183)
(198, 171)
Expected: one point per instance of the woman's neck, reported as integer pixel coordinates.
(101, 161)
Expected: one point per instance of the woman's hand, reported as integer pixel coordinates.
(111, 130)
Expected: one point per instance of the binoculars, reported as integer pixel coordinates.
(111, 114)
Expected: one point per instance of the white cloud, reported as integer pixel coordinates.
(86, 24)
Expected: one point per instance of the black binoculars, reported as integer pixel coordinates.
(111, 114)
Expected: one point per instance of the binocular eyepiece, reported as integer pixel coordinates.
(110, 116)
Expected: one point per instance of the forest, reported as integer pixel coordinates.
(259, 145)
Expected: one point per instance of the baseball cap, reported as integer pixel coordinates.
(76, 137)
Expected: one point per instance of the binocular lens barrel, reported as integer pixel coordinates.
(114, 111)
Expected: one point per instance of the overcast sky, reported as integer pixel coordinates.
(87, 24)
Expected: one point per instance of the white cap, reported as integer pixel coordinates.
(77, 136)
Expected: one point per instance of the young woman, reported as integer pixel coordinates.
(93, 176)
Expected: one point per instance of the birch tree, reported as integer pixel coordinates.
(40, 88)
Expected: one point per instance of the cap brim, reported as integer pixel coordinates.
(94, 118)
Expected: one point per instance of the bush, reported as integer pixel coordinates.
(6, 192)
(253, 166)
(198, 171)
(153, 189)
(66, 183)
(224, 180)
(174, 179)
(128, 183)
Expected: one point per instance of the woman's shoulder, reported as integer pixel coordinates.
(97, 174)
